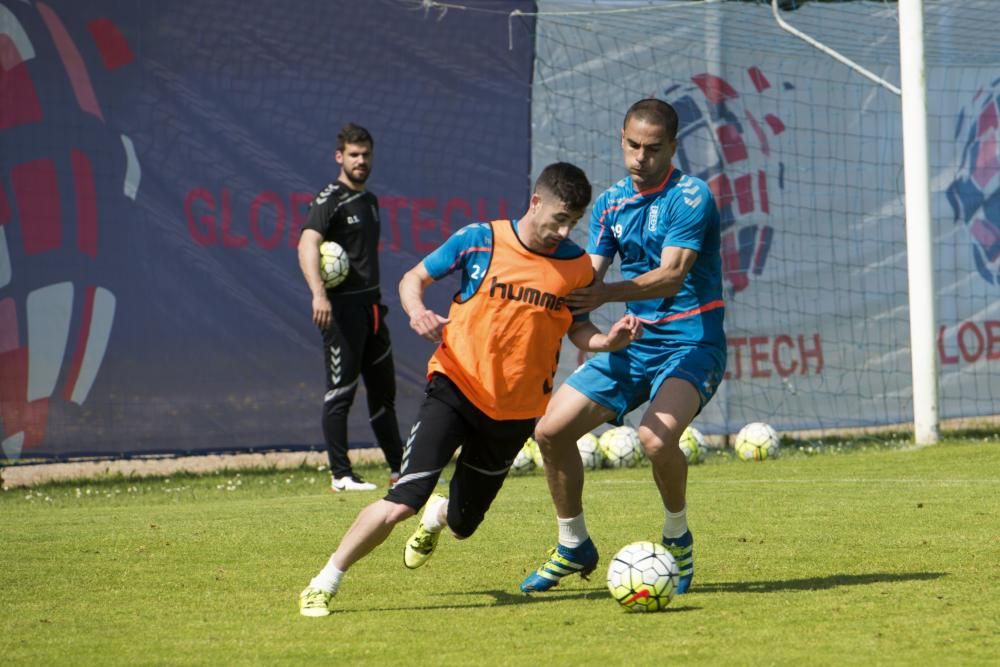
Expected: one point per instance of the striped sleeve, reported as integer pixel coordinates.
(462, 248)
(601, 241)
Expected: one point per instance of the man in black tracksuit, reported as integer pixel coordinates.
(351, 316)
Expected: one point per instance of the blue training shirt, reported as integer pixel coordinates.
(470, 249)
(637, 226)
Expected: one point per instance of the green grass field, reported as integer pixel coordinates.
(879, 555)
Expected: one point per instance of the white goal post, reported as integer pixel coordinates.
(919, 232)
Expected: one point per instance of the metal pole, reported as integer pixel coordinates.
(919, 229)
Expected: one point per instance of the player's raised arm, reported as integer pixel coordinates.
(425, 322)
(586, 336)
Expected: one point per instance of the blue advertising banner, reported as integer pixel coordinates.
(157, 161)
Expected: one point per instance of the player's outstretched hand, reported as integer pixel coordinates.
(623, 332)
(429, 325)
(585, 299)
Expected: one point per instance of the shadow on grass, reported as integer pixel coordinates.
(506, 598)
(813, 583)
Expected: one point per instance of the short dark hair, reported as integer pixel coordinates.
(353, 134)
(567, 182)
(654, 112)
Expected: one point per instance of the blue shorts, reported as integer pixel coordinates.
(622, 381)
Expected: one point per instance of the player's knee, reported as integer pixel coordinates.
(411, 495)
(656, 444)
(543, 434)
(551, 441)
(397, 512)
(339, 400)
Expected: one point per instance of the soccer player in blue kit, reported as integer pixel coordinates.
(665, 228)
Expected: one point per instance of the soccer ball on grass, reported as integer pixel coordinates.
(621, 447)
(643, 576)
(333, 264)
(590, 451)
(528, 458)
(757, 442)
(693, 445)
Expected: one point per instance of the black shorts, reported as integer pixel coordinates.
(446, 421)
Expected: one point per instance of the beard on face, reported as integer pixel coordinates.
(357, 176)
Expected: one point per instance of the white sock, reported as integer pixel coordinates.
(328, 579)
(573, 532)
(676, 523)
(430, 518)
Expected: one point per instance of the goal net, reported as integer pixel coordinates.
(804, 156)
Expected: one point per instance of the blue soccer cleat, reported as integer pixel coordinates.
(562, 562)
(682, 549)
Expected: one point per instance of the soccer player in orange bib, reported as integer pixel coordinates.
(491, 375)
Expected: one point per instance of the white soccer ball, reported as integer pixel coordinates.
(643, 576)
(528, 458)
(621, 447)
(757, 442)
(333, 263)
(693, 445)
(590, 451)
